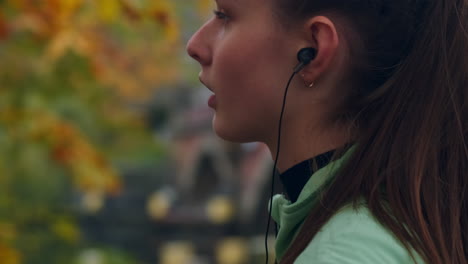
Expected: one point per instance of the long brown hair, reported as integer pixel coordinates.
(409, 111)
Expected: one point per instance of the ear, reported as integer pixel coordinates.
(321, 34)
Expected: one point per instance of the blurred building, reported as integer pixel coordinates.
(208, 200)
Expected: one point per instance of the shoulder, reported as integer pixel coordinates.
(354, 236)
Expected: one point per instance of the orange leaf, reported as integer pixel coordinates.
(130, 11)
(4, 30)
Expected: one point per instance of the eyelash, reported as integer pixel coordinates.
(220, 15)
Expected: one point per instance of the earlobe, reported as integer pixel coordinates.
(307, 84)
(321, 33)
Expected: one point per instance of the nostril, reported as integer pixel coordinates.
(201, 55)
(191, 51)
(193, 54)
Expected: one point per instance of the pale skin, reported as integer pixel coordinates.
(246, 60)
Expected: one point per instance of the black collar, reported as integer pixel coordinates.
(297, 176)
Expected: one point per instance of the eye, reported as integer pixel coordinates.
(220, 15)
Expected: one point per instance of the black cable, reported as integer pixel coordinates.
(275, 163)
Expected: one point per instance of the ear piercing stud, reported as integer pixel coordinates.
(310, 85)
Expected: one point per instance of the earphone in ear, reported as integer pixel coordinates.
(304, 56)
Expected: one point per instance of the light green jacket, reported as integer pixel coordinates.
(349, 237)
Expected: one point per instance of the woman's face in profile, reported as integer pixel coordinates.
(246, 59)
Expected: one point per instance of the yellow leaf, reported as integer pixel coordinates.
(172, 32)
(69, 6)
(164, 14)
(108, 10)
(9, 255)
(204, 7)
(59, 45)
(66, 230)
(7, 231)
(66, 10)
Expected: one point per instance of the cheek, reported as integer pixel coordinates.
(250, 68)
(246, 110)
(238, 75)
(236, 63)
(248, 76)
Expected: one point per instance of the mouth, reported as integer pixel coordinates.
(212, 100)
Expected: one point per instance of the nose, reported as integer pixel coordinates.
(199, 46)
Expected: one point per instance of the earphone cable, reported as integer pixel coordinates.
(275, 163)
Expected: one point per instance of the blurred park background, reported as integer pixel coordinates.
(106, 149)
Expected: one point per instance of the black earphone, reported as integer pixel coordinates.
(304, 56)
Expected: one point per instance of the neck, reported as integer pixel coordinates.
(298, 145)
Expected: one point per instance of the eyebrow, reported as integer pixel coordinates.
(230, 1)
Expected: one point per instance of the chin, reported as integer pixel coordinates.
(230, 133)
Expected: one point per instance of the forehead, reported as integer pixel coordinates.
(228, 1)
(244, 3)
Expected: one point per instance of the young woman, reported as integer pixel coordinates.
(379, 118)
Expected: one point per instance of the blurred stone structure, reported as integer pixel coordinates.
(208, 200)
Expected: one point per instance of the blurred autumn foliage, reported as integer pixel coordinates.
(68, 70)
